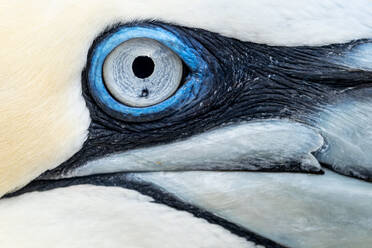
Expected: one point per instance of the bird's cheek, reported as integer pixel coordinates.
(40, 128)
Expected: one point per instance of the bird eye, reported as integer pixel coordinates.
(140, 74)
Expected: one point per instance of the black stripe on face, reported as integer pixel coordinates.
(246, 81)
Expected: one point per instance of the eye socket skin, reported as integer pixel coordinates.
(190, 89)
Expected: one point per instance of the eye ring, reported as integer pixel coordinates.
(187, 93)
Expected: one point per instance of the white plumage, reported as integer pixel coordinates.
(44, 121)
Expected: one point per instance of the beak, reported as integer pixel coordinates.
(270, 145)
(295, 210)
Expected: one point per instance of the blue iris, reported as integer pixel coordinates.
(188, 51)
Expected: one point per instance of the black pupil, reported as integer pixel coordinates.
(143, 66)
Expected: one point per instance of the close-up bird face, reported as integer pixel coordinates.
(185, 124)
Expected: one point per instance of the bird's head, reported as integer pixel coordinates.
(98, 87)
